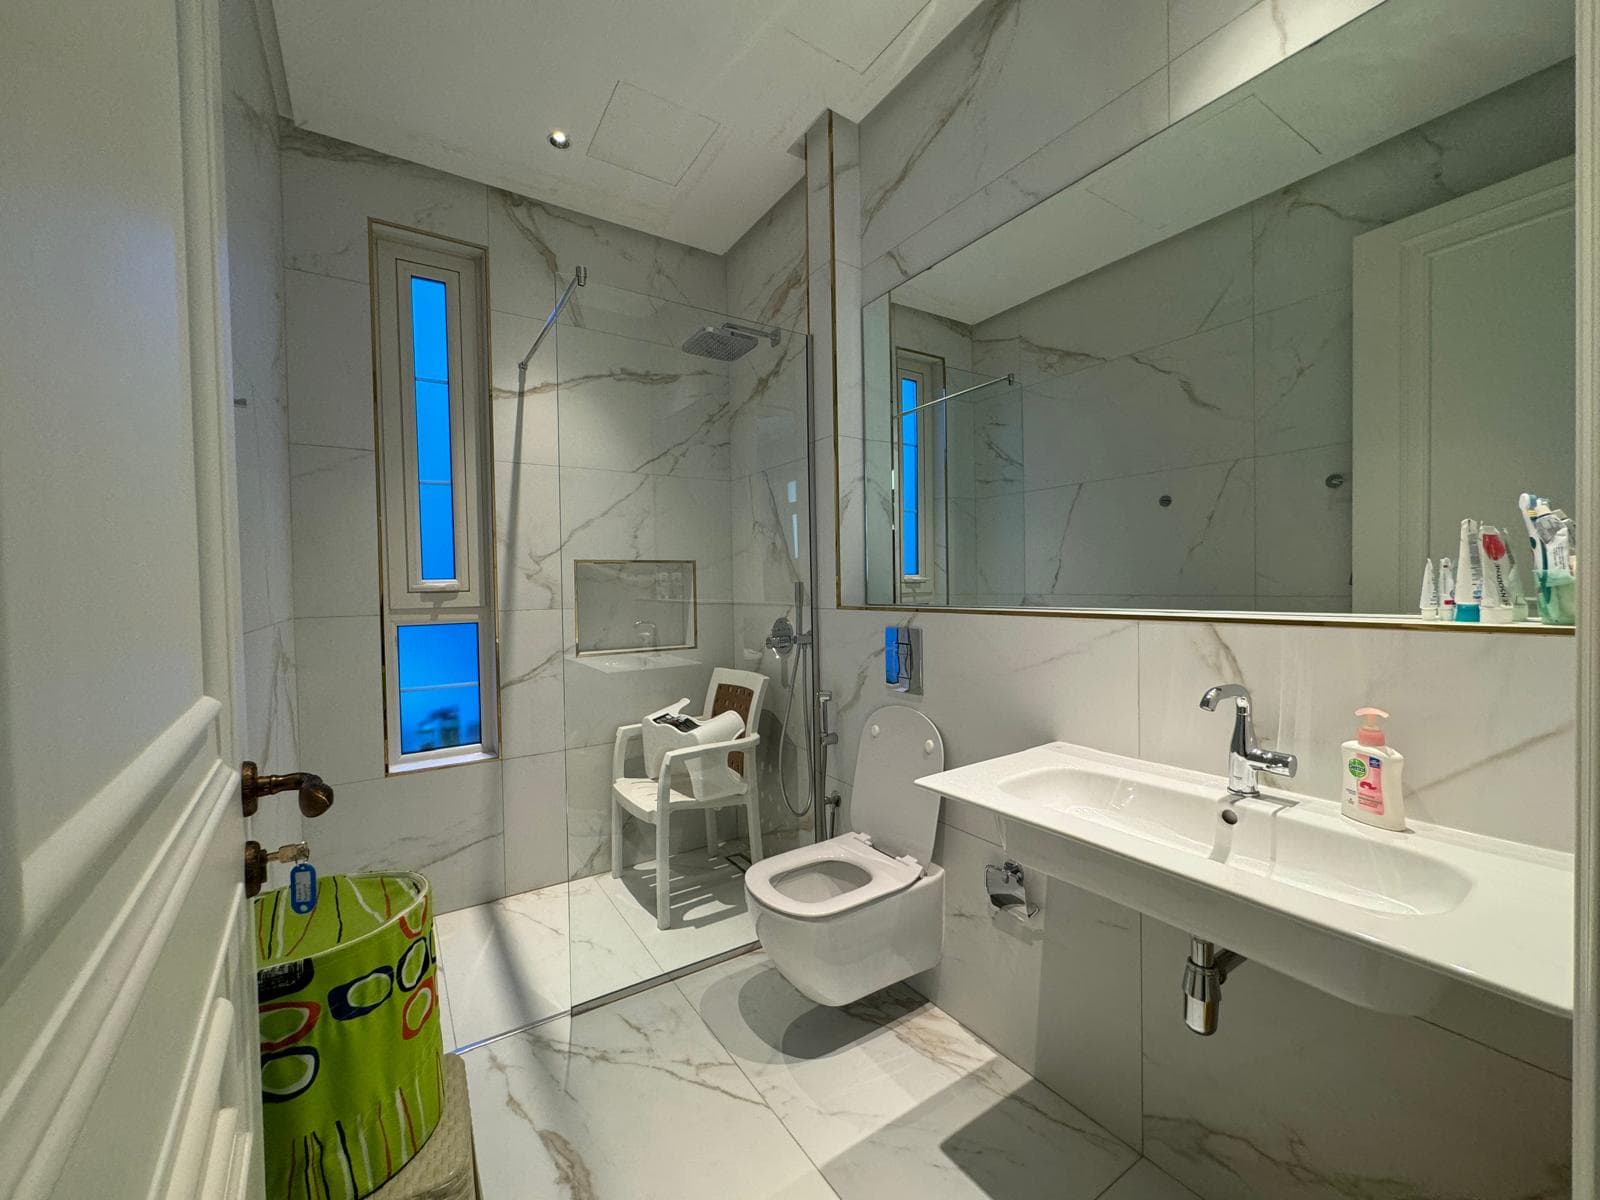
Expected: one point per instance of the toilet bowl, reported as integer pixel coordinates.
(847, 916)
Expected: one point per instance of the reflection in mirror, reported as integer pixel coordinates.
(1268, 360)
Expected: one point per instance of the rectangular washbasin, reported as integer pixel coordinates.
(1376, 917)
(1272, 837)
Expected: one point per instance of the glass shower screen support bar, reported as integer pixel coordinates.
(580, 278)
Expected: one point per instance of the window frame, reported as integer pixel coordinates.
(406, 598)
(928, 371)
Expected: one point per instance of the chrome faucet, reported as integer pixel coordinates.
(1245, 758)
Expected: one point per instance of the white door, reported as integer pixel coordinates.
(1464, 373)
(127, 999)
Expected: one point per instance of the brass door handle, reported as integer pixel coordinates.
(316, 797)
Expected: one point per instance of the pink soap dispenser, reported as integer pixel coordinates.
(1371, 775)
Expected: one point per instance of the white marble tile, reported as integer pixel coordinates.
(1303, 374)
(1198, 280)
(708, 908)
(1007, 82)
(335, 531)
(507, 963)
(639, 406)
(599, 696)
(1177, 405)
(445, 823)
(271, 729)
(770, 532)
(890, 1096)
(993, 684)
(1303, 525)
(633, 1099)
(329, 337)
(1202, 544)
(534, 798)
(331, 188)
(766, 268)
(589, 809)
(539, 236)
(525, 423)
(531, 647)
(694, 522)
(768, 391)
(1308, 681)
(339, 697)
(1121, 124)
(1258, 38)
(526, 277)
(819, 292)
(606, 956)
(1283, 1116)
(819, 191)
(983, 945)
(528, 509)
(255, 525)
(1090, 1039)
(847, 214)
(606, 514)
(1146, 1181)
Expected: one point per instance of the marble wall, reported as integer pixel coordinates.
(254, 213)
(1290, 1100)
(1214, 369)
(622, 446)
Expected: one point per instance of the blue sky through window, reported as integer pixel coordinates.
(438, 676)
(910, 478)
(430, 354)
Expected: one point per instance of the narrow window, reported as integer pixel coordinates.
(433, 460)
(910, 477)
(916, 430)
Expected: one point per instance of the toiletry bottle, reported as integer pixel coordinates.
(1371, 775)
(1428, 603)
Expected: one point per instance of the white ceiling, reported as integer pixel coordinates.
(683, 113)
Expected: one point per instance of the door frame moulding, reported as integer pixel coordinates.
(1586, 950)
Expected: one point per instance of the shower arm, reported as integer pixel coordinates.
(1008, 380)
(580, 278)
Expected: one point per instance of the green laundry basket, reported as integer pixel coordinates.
(351, 1054)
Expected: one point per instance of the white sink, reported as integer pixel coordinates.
(1378, 918)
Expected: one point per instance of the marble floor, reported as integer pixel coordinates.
(728, 1083)
(505, 964)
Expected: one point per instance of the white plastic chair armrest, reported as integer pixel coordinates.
(673, 757)
(619, 749)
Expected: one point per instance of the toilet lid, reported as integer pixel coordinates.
(898, 746)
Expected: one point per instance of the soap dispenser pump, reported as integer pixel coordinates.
(1371, 775)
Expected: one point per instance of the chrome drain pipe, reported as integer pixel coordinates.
(1204, 973)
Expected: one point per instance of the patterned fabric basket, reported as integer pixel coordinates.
(351, 1051)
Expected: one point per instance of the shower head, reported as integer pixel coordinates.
(728, 341)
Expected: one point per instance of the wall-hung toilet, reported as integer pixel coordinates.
(842, 918)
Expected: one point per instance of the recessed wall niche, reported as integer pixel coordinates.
(634, 605)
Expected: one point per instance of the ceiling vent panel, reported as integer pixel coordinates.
(650, 136)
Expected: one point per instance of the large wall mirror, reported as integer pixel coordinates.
(1268, 360)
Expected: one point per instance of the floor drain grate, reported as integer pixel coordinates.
(740, 861)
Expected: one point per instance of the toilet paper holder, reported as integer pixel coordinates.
(1007, 890)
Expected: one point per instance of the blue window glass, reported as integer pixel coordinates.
(430, 355)
(438, 675)
(910, 478)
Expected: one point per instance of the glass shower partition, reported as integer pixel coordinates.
(683, 487)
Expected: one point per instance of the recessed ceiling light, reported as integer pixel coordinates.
(559, 139)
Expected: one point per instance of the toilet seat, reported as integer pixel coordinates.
(885, 876)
